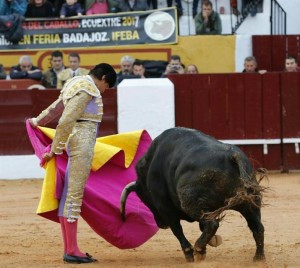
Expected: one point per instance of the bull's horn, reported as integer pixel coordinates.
(126, 191)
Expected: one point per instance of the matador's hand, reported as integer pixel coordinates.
(47, 156)
(33, 122)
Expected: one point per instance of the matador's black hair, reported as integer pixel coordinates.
(105, 69)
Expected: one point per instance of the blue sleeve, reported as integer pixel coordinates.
(79, 9)
(35, 76)
(63, 10)
(19, 6)
(16, 74)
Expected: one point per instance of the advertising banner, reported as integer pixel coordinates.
(116, 29)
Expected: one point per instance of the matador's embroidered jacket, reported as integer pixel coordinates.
(80, 99)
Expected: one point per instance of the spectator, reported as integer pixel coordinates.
(132, 5)
(49, 79)
(152, 3)
(2, 72)
(178, 6)
(73, 70)
(139, 69)
(175, 66)
(98, 7)
(126, 68)
(234, 7)
(112, 5)
(71, 8)
(57, 4)
(250, 6)
(25, 69)
(8, 7)
(208, 22)
(250, 66)
(291, 64)
(39, 9)
(191, 69)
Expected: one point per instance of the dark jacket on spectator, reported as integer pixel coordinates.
(17, 73)
(139, 5)
(49, 79)
(44, 11)
(2, 72)
(70, 11)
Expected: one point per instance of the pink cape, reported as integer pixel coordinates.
(102, 193)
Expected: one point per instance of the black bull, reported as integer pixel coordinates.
(187, 175)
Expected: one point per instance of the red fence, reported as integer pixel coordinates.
(260, 113)
(271, 50)
(18, 105)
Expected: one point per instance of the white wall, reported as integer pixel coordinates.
(292, 7)
(146, 104)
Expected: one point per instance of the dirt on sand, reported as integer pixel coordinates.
(28, 240)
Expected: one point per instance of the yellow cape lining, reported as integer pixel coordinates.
(105, 148)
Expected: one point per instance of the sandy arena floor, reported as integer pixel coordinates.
(28, 240)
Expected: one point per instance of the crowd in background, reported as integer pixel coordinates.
(130, 68)
(207, 21)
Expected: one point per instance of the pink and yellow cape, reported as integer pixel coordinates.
(112, 169)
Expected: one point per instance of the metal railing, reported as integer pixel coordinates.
(277, 19)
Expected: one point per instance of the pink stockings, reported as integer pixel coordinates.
(69, 233)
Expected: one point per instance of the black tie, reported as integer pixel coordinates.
(74, 73)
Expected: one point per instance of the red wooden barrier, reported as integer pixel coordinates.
(290, 98)
(242, 109)
(259, 113)
(271, 50)
(18, 105)
(19, 84)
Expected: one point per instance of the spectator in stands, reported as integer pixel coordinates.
(49, 79)
(250, 66)
(98, 7)
(139, 69)
(126, 68)
(191, 69)
(291, 64)
(8, 7)
(2, 72)
(112, 6)
(73, 70)
(152, 3)
(132, 5)
(178, 6)
(39, 9)
(175, 66)
(208, 21)
(250, 6)
(71, 8)
(57, 4)
(25, 69)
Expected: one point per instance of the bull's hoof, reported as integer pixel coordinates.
(215, 241)
(189, 254)
(259, 257)
(198, 256)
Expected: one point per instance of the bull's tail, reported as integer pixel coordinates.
(250, 193)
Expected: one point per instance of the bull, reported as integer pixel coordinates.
(187, 175)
